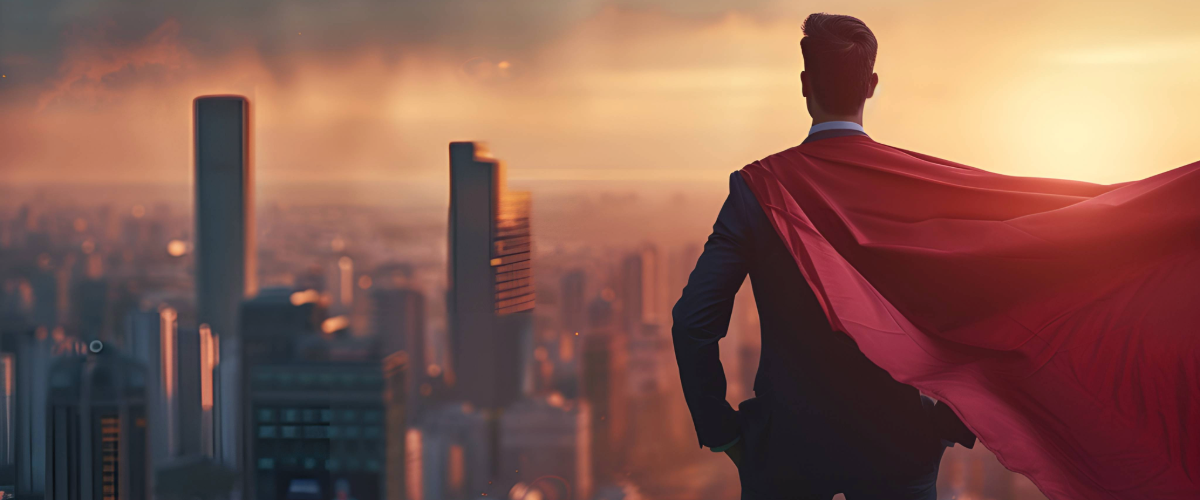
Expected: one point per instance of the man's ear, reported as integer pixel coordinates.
(874, 82)
(804, 84)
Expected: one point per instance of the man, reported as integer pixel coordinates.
(825, 420)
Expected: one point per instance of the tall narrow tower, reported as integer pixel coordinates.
(491, 292)
(225, 271)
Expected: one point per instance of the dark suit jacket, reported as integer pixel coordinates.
(822, 409)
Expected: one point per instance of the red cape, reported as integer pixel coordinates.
(1059, 319)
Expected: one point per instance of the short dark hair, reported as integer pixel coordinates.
(839, 57)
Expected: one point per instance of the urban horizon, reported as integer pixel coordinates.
(357, 251)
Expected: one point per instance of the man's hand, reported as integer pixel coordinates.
(735, 453)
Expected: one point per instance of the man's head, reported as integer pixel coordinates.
(839, 63)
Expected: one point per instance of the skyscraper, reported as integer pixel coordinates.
(272, 324)
(573, 305)
(396, 374)
(225, 270)
(602, 384)
(399, 320)
(151, 339)
(7, 363)
(453, 456)
(490, 294)
(194, 368)
(34, 351)
(96, 446)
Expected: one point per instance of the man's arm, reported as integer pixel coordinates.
(701, 319)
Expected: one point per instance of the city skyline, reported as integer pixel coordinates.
(610, 90)
(429, 251)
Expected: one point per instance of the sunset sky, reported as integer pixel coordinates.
(372, 90)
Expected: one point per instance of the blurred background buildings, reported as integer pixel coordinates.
(152, 348)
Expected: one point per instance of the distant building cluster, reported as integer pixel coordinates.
(146, 355)
(312, 353)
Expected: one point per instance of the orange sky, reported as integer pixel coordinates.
(1099, 91)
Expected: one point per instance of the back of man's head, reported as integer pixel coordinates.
(839, 58)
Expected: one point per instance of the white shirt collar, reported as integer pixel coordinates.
(821, 127)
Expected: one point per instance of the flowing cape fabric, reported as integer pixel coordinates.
(1059, 319)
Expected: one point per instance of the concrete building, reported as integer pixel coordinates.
(453, 447)
(225, 257)
(545, 446)
(490, 292)
(33, 351)
(396, 373)
(151, 338)
(573, 303)
(318, 426)
(399, 322)
(195, 362)
(96, 440)
(603, 386)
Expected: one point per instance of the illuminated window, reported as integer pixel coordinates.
(266, 415)
(291, 415)
(266, 431)
(326, 415)
(266, 463)
(110, 437)
(290, 431)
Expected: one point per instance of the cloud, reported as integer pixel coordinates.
(90, 71)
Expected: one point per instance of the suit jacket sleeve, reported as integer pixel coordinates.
(701, 319)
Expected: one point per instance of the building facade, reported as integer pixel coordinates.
(225, 256)
(97, 447)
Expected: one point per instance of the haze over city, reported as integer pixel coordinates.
(618, 123)
(370, 91)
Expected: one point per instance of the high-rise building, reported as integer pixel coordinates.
(546, 447)
(396, 414)
(453, 449)
(96, 442)
(318, 428)
(151, 338)
(272, 325)
(573, 304)
(225, 265)
(33, 352)
(44, 287)
(195, 357)
(602, 385)
(7, 452)
(89, 305)
(490, 296)
(399, 321)
(642, 293)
